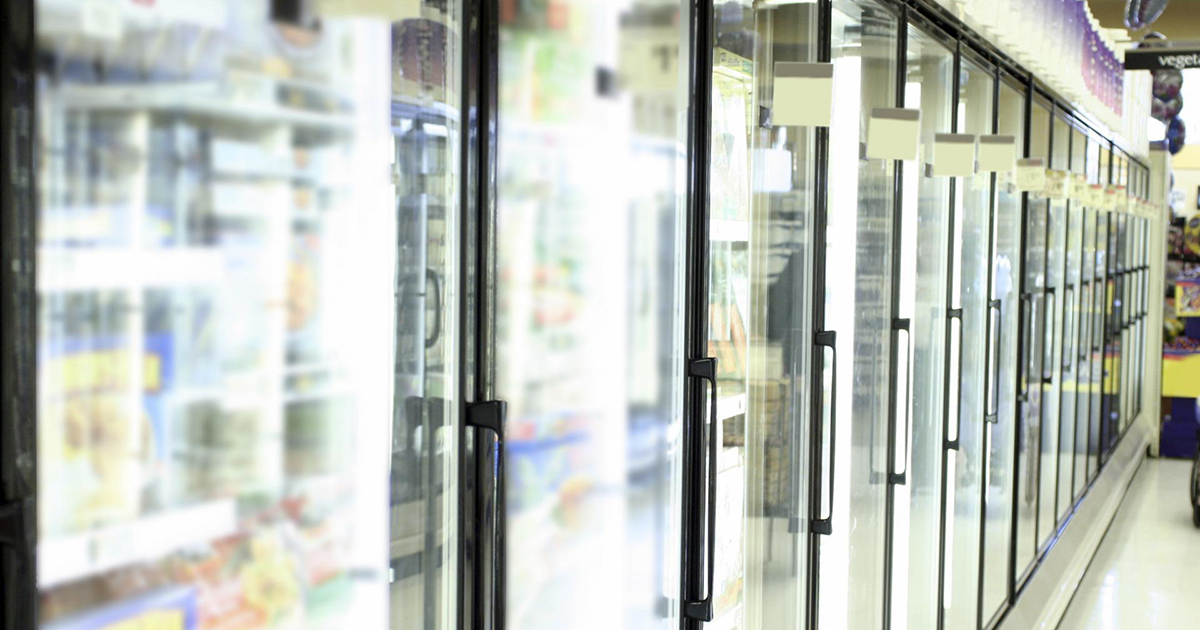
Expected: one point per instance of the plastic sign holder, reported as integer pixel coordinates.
(803, 94)
(893, 134)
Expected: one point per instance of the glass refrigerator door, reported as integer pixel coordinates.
(589, 236)
(1058, 292)
(1087, 323)
(247, 272)
(971, 337)
(1072, 292)
(1111, 411)
(1099, 345)
(920, 345)
(1075, 385)
(761, 199)
(857, 307)
(1014, 493)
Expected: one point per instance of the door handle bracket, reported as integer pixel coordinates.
(488, 415)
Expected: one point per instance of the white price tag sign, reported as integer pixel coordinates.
(101, 19)
(997, 154)
(648, 60)
(893, 134)
(1078, 188)
(1096, 196)
(1056, 184)
(803, 94)
(953, 155)
(1031, 174)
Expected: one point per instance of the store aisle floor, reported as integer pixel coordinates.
(1146, 573)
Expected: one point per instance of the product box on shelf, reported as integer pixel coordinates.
(89, 418)
(168, 609)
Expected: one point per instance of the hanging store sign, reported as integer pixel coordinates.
(803, 94)
(1031, 174)
(893, 134)
(1078, 190)
(1162, 58)
(1056, 184)
(953, 155)
(997, 154)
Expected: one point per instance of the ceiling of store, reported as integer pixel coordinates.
(1180, 22)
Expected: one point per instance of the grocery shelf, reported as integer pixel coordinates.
(729, 230)
(101, 269)
(72, 557)
(208, 99)
(731, 406)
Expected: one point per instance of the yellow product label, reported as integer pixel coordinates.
(152, 620)
(98, 371)
(151, 372)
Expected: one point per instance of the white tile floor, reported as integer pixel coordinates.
(1146, 573)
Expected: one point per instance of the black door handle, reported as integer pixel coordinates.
(1068, 299)
(902, 325)
(993, 384)
(956, 314)
(823, 523)
(490, 415)
(1049, 313)
(706, 368)
(432, 277)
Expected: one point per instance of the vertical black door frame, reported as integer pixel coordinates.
(695, 594)
(1018, 373)
(897, 325)
(482, 578)
(818, 524)
(18, 416)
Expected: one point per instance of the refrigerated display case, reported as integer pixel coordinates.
(588, 291)
(229, 198)
(1069, 333)
(981, 242)
(919, 341)
(856, 307)
(1059, 294)
(1085, 229)
(429, 315)
(1014, 491)
(761, 196)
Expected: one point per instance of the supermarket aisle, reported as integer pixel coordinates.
(1144, 574)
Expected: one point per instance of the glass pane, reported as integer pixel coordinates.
(1099, 344)
(924, 237)
(858, 308)
(589, 299)
(1057, 293)
(1071, 331)
(964, 481)
(760, 326)
(1087, 310)
(1112, 371)
(1079, 147)
(247, 275)
(1036, 305)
